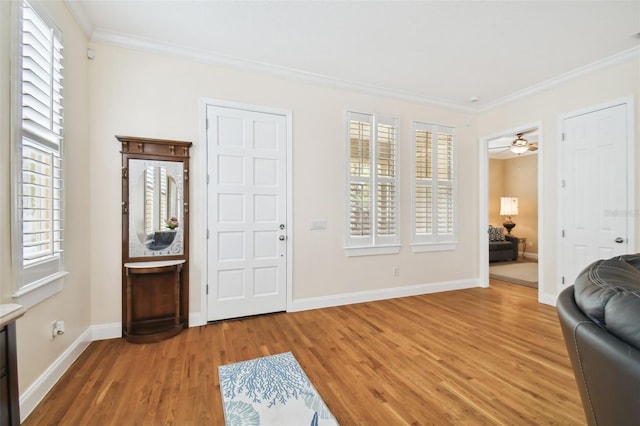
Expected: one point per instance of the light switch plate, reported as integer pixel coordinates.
(319, 225)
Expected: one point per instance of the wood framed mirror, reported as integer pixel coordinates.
(156, 218)
(155, 238)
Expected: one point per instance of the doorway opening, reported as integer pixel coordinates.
(511, 206)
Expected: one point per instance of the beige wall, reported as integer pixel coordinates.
(613, 83)
(516, 177)
(143, 94)
(36, 349)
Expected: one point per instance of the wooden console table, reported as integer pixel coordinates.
(9, 397)
(153, 300)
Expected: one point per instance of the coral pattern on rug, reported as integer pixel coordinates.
(272, 390)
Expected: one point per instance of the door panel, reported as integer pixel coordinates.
(594, 193)
(247, 212)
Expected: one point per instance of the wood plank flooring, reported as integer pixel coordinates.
(472, 357)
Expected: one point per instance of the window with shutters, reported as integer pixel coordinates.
(434, 188)
(38, 142)
(372, 205)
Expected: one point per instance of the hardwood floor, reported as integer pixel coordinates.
(469, 357)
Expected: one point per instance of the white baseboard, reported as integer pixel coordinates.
(114, 330)
(548, 299)
(106, 331)
(31, 397)
(387, 293)
(196, 319)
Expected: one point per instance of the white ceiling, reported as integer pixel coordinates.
(441, 52)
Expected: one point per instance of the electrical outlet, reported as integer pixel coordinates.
(57, 328)
(396, 271)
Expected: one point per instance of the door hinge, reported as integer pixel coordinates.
(207, 179)
(562, 283)
(206, 125)
(562, 136)
(207, 234)
(563, 233)
(207, 289)
(564, 183)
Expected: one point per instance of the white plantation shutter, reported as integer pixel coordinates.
(41, 80)
(149, 185)
(360, 127)
(40, 179)
(386, 178)
(372, 181)
(423, 189)
(434, 184)
(444, 196)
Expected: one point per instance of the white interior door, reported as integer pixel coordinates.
(594, 189)
(246, 204)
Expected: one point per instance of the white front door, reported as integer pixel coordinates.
(595, 205)
(246, 205)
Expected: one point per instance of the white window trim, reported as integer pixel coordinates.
(374, 245)
(40, 290)
(45, 287)
(433, 242)
(372, 250)
(427, 247)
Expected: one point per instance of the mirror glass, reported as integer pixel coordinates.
(155, 208)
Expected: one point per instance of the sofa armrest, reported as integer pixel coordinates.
(514, 242)
(511, 238)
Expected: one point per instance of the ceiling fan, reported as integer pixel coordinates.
(518, 146)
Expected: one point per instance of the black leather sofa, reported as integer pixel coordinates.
(503, 250)
(600, 320)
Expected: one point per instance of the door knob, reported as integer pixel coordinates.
(282, 237)
(619, 240)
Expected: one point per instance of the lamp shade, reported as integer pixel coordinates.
(508, 206)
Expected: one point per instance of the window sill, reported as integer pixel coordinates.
(426, 247)
(39, 291)
(372, 251)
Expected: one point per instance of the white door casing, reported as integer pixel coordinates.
(594, 189)
(246, 212)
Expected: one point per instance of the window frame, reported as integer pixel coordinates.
(37, 280)
(374, 243)
(433, 241)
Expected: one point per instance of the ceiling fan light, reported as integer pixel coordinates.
(519, 145)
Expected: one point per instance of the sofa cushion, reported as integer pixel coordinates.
(500, 245)
(496, 233)
(608, 292)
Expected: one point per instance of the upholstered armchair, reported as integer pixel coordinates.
(600, 320)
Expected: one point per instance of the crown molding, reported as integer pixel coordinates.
(624, 56)
(153, 46)
(147, 45)
(77, 11)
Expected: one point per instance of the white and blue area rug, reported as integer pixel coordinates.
(273, 390)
